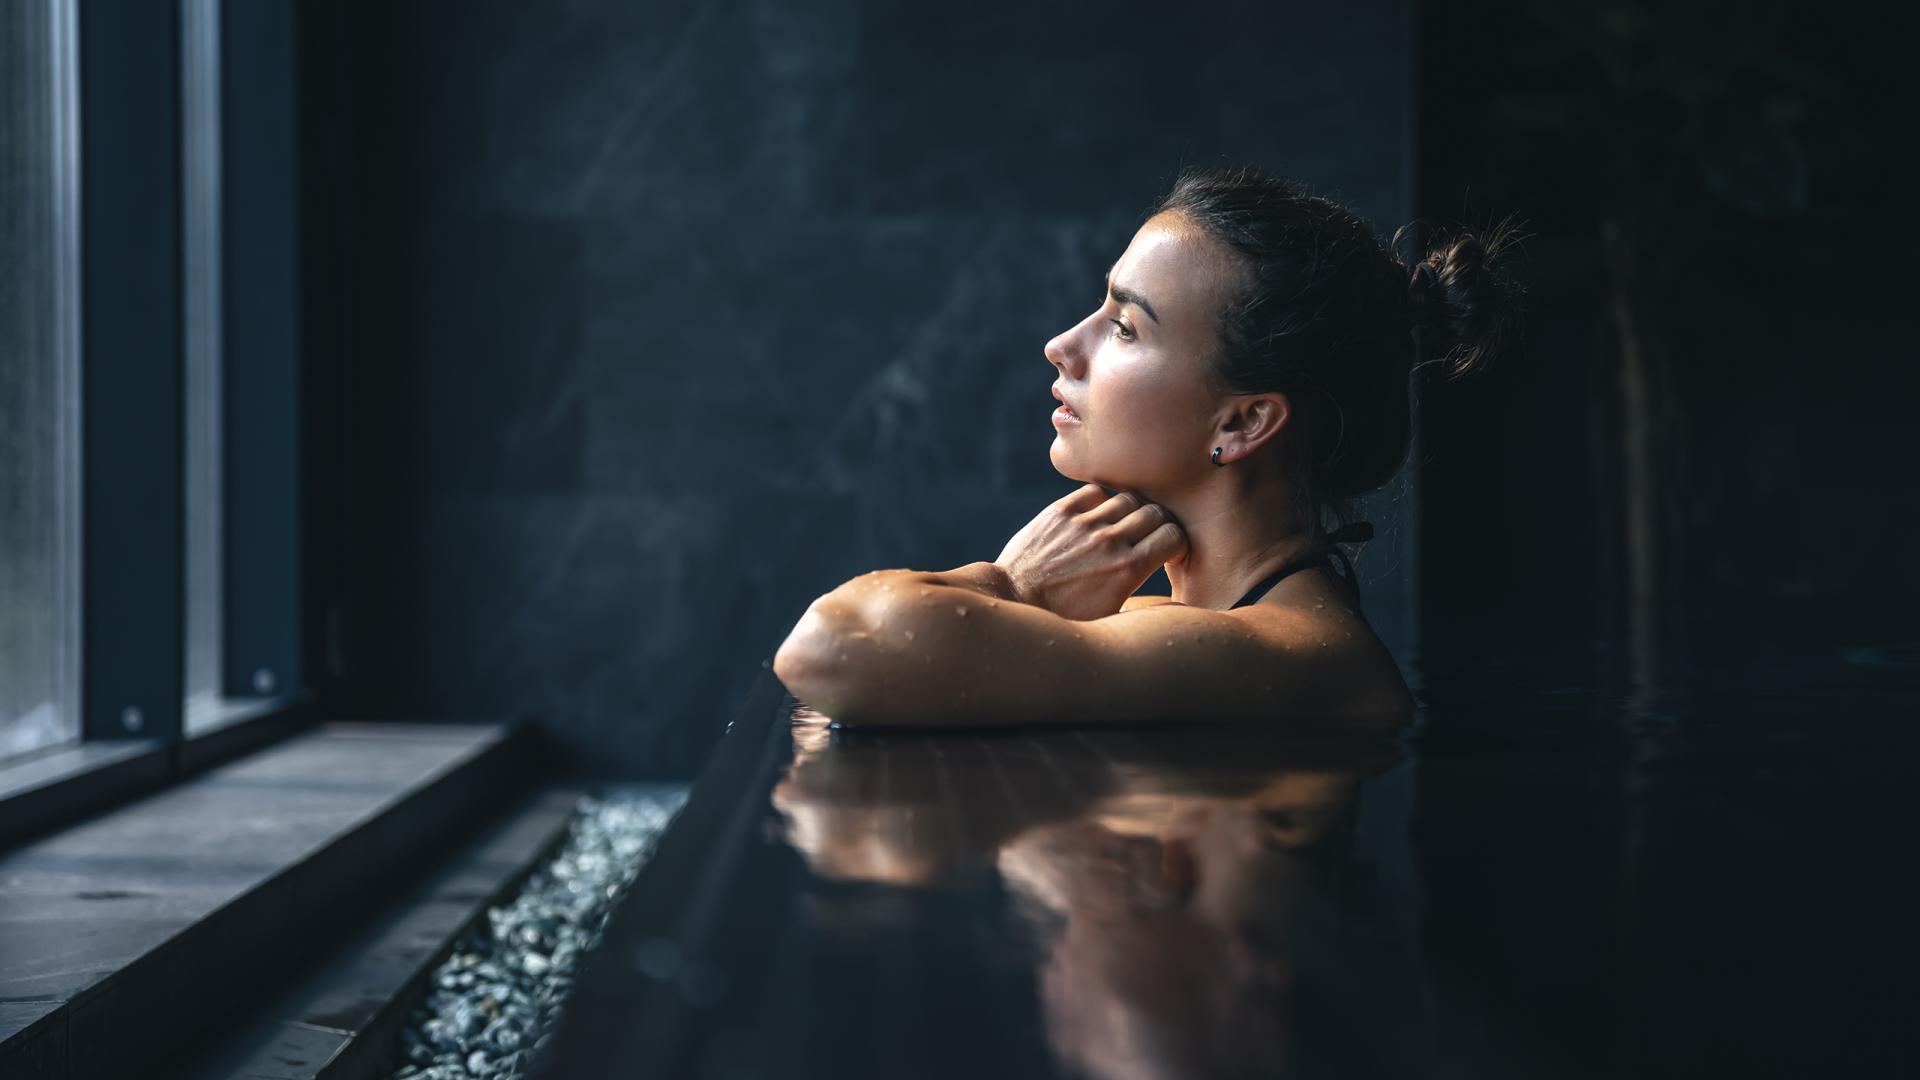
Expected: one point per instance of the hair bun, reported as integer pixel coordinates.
(1422, 289)
(1460, 300)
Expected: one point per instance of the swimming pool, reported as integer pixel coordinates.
(1544, 876)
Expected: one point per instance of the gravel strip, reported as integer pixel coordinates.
(493, 1003)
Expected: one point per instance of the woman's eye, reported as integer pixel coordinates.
(1122, 329)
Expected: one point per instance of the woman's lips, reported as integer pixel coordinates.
(1064, 416)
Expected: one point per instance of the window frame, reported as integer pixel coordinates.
(130, 125)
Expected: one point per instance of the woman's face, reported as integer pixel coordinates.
(1134, 371)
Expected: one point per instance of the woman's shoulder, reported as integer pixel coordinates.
(1318, 620)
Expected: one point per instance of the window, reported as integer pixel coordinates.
(39, 380)
(150, 496)
(209, 700)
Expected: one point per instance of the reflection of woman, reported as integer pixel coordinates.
(1223, 946)
(910, 813)
(1195, 890)
(1244, 379)
(909, 809)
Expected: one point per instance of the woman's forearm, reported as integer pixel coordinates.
(877, 587)
(985, 578)
(836, 647)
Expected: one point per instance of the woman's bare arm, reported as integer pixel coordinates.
(938, 654)
(985, 578)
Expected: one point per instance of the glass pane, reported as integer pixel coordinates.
(207, 705)
(39, 379)
(200, 191)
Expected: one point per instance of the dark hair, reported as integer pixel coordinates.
(1327, 314)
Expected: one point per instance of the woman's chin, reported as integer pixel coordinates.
(1063, 462)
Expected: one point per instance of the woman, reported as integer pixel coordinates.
(1244, 380)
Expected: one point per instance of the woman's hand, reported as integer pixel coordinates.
(1083, 555)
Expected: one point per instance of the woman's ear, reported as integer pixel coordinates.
(1259, 417)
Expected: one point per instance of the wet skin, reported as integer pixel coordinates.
(1050, 631)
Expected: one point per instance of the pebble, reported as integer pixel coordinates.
(494, 1002)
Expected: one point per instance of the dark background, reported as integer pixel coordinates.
(631, 328)
(1738, 151)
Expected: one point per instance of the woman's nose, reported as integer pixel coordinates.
(1059, 353)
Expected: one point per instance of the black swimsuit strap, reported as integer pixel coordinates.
(1347, 575)
(1314, 558)
(1359, 530)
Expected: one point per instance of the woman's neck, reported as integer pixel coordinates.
(1237, 534)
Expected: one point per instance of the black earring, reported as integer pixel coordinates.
(1216, 455)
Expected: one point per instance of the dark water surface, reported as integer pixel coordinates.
(1550, 874)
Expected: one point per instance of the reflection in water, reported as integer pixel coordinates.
(1205, 902)
(1549, 886)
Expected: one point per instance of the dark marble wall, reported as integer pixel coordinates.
(645, 324)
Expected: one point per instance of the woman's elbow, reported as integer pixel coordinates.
(813, 662)
(802, 670)
(825, 683)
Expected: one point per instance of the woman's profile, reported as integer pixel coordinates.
(1245, 379)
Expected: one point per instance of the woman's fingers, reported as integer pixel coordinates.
(1158, 539)
(1140, 522)
(1166, 544)
(1083, 498)
(1156, 536)
(1117, 507)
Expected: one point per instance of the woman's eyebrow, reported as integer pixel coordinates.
(1127, 296)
